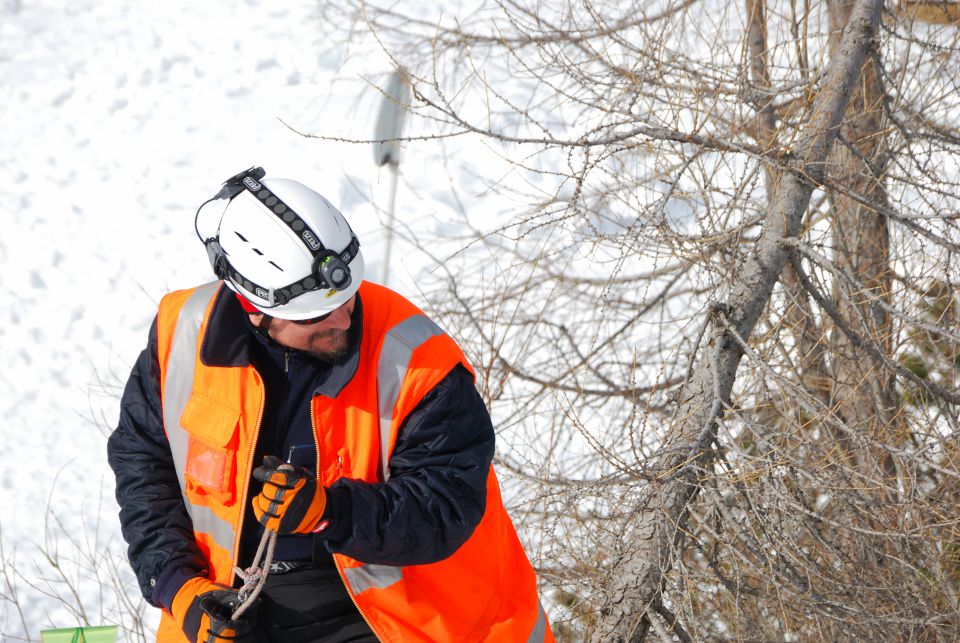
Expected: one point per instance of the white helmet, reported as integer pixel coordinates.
(281, 245)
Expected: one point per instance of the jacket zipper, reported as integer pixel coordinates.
(246, 487)
(336, 563)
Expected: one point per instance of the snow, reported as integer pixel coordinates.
(119, 118)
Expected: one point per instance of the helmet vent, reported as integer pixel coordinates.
(257, 251)
(276, 266)
(242, 238)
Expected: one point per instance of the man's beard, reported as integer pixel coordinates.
(329, 345)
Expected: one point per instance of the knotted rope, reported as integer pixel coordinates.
(255, 575)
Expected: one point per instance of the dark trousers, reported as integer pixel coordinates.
(310, 605)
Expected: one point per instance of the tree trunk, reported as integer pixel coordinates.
(647, 552)
(798, 316)
(863, 389)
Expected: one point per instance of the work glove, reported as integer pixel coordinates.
(204, 609)
(290, 502)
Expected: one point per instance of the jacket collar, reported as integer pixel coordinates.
(228, 338)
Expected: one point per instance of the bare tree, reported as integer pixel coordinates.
(721, 335)
(77, 576)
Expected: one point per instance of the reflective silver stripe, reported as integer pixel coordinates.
(398, 347)
(395, 354)
(369, 576)
(539, 633)
(178, 384)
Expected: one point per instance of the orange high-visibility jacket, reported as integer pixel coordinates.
(485, 591)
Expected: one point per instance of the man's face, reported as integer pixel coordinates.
(326, 340)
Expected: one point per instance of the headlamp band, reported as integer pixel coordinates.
(280, 296)
(284, 212)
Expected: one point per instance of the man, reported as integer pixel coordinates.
(373, 444)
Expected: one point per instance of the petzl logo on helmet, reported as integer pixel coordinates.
(251, 183)
(310, 240)
(262, 294)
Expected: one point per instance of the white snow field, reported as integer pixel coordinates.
(118, 119)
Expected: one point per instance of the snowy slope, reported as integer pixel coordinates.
(118, 119)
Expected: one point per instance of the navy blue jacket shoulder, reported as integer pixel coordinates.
(432, 502)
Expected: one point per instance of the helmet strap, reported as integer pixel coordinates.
(263, 328)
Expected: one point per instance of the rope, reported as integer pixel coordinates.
(255, 576)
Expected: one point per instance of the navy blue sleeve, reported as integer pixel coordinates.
(153, 519)
(436, 494)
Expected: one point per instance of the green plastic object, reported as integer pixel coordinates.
(99, 634)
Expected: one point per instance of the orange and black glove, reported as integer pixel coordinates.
(204, 609)
(291, 501)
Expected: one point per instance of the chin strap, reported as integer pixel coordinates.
(263, 327)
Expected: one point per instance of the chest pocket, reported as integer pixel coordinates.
(212, 448)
